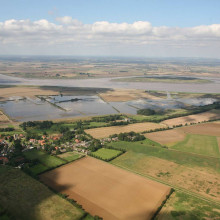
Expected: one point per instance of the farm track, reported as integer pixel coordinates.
(180, 189)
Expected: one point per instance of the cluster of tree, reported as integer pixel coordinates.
(157, 129)
(31, 135)
(95, 145)
(1, 146)
(16, 156)
(37, 124)
(67, 136)
(107, 118)
(146, 112)
(5, 213)
(116, 123)
(129, 136)
(6, 129)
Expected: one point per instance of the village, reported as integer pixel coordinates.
(51, 144)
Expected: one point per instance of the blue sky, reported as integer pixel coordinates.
(182, 13)
(155, 28)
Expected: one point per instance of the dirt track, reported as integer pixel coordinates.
(107, 191)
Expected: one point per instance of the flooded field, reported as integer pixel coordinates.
(65, 106)
(90, 104)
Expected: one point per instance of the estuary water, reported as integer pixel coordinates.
(213, 87)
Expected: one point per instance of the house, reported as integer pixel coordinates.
(41, 142)
(77, 141)
(4, 160)
(44, 137)
(32, 140)
(56, 138)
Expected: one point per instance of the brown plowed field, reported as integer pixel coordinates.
(167, 137)
(138, 127)
(205, 116)
(107, 191)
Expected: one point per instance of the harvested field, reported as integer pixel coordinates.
(205, 116)
(167, 137)
(122, 95)
(173, 136)
(212, 129)
(107, 191)
(23, 91)
(204, 181)
(138, 127)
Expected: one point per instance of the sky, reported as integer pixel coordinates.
(143, 28)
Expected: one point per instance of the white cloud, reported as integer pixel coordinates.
(70, 36)
(68, 20)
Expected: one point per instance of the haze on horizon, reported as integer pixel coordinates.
(111, 28)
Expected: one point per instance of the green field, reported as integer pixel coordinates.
(200, 144)
(39, 168)
(70, 156)
(46, 161)
(96, 124)
(154, 149)
(25, 198)
(106, 154)
(185, 207)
